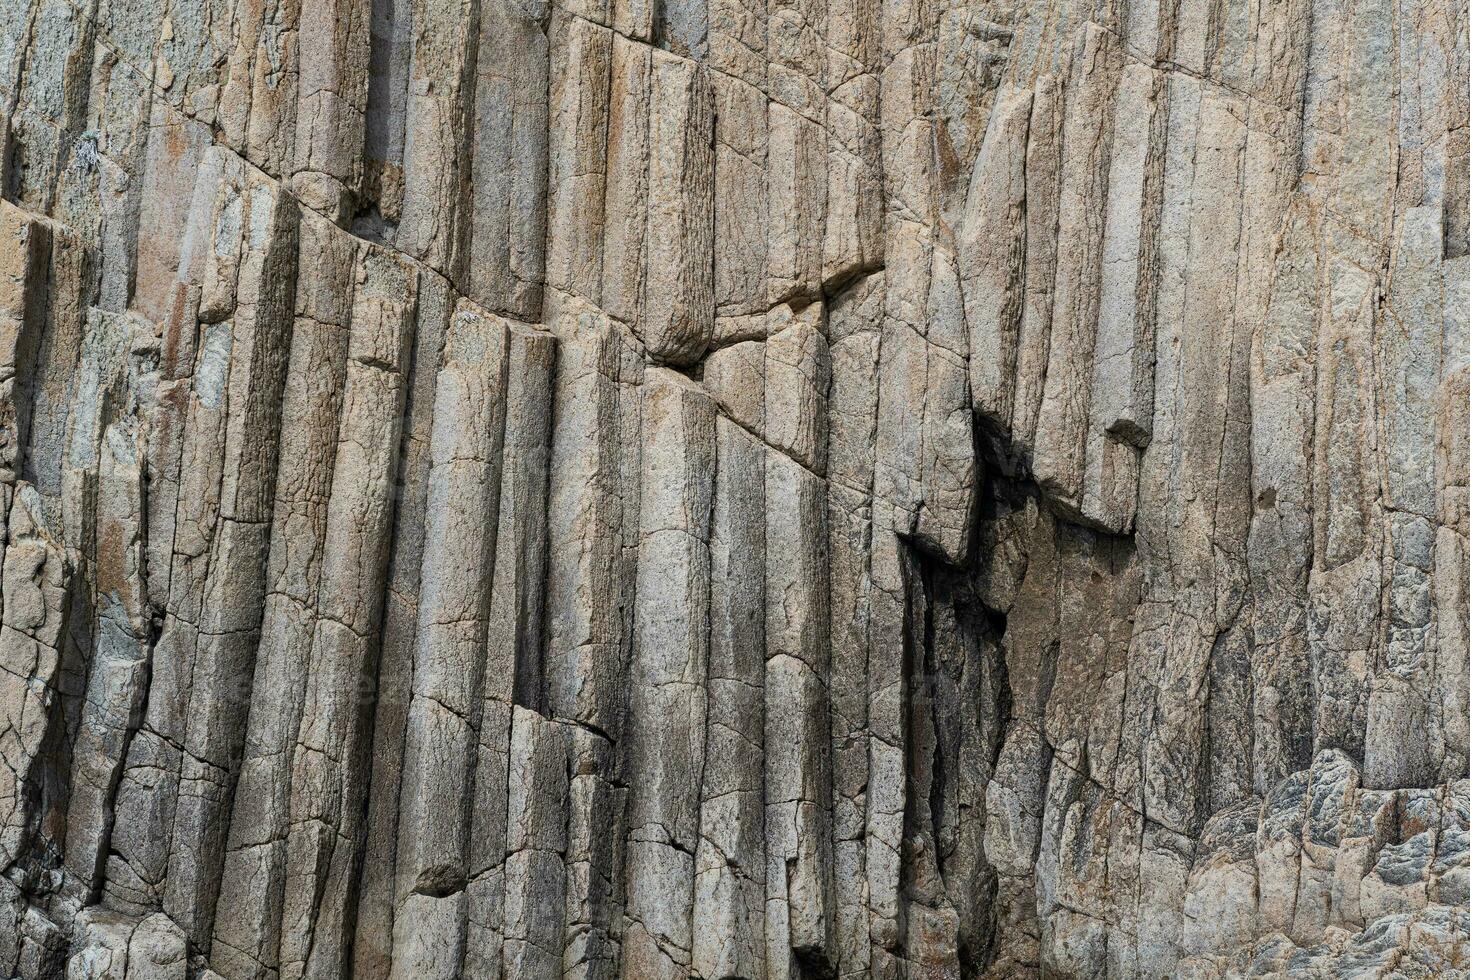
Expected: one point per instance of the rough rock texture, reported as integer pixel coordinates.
(734, 489)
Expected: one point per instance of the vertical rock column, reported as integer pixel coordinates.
(580, 94)
(102, 506)
(49, 352)
(657, 261)
(248, 72)
(852, 242)
(449, 656)
(173, 222)
(174, 250)
(924, 464)
(373, 947)
(730, 860)
(247, 926)
(992, 255)
(25, 253)
(389, 58)
(238, 390)
(1120, 422)
(678, 291)
(592, 521)
(1192, 518)
(800, 914)
(172, 807)
(507, 263)
(46, 106)
(513, 676)
(625, 200)
(329, 769)
(1403, 743)
(332, 101)
(668, 693)
(796, 159)
(1060, 449)
(1354, 185)
(1279, 547)
(1452, 454)
(1282, 232)
(738, 74)
(437, 150)
(800, 908)
(1042, 168)
(855, 326)
(926, 469)
(536, 839)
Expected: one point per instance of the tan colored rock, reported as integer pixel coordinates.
(730, 861)
(580, 98)
(446, 709)
(507, 254)
(733, 489)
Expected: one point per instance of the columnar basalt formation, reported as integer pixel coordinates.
(734, 489)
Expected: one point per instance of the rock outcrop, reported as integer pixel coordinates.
(734, 489)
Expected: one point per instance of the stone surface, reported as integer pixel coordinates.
(734, 489)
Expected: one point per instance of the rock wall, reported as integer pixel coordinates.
(653, 489)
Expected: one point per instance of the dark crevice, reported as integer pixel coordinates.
(962, 702)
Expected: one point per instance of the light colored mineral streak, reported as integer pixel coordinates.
(733, 489)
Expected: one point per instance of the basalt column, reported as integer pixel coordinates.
(734, 489)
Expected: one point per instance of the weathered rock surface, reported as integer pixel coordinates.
(734, 489)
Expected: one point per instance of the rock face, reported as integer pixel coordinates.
(734, 489)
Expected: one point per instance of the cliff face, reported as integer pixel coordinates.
(707, 488)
